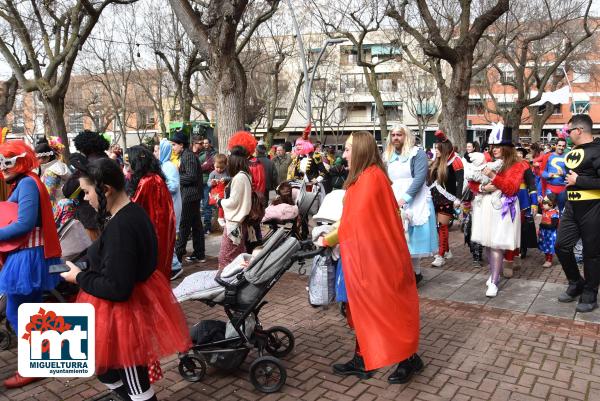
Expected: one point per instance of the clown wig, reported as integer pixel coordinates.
(303, 147)
(25, 163)
(243, 139)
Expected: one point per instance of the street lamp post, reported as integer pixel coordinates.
(308, 82)
(326, 43)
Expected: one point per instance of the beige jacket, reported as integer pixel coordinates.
(237, 207)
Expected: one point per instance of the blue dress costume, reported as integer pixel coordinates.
(25, 275)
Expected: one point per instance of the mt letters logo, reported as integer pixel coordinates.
(56, 340)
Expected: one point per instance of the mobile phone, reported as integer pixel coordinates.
(61, 268)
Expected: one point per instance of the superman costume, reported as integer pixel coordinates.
(553, 173)
(581, 219)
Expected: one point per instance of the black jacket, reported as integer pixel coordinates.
(190, 177)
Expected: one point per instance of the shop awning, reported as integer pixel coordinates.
(383, 50)
(559, 96)
(425, 109)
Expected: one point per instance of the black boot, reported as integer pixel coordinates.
(355, 366)
(587, 302)
(418, 278)
(574, 290)
(406, 370)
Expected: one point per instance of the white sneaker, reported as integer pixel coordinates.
(492, 291)
(438, 261)
(448, 255)
(489, 281)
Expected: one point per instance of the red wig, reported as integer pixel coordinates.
(243, 139)
(16, 148)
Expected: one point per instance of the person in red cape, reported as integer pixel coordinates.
(148, 189)
(32, 236)
(138, 320)
(383, 304)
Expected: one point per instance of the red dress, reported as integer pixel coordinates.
(380, 282)
(154, 197)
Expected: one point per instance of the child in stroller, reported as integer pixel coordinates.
(240, 290)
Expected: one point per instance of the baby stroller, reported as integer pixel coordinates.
(74, 242)
(308, 198)
(241, 292)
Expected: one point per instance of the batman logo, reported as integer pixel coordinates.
(573, 195)
(574, 158)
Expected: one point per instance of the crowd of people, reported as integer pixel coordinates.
(141, 206)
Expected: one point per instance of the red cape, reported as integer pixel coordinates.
(380, 282)
(9, 213)
(153, 195)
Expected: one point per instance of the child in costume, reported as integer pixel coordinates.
(138, 321)
(25, 274)
(218, 180)
(54, 173)
(548, 228)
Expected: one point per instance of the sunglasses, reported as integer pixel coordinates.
(571, 130)
(9, 162)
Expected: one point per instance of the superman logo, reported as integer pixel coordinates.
(574, 158)
(573, 195)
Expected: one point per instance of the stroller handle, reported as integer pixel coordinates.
(301, 256)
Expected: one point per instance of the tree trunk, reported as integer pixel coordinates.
(538, 121)
(55, 109)
(187, 97)
(7, 101)
(512, 119)
(455, 101)
(371, 79)
(231, 92)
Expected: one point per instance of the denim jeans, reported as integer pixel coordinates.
(207, 210)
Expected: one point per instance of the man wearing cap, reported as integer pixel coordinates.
(190, 178)
(581, 216)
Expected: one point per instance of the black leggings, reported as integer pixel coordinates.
(130, 383)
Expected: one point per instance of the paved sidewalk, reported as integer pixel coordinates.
(474, 348)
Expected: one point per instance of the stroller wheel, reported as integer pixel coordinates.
(192, 368)
(267, 374)
(4, 340)
(280, 341)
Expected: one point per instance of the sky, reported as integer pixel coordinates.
(5, 69)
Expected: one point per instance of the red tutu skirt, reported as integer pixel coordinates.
(138, 332)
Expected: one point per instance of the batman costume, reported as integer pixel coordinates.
(581, 219)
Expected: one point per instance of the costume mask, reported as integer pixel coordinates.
(10, 162)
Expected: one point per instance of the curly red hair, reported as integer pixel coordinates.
(243, 139)
(15, 148)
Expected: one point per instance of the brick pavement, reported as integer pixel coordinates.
(472, 352)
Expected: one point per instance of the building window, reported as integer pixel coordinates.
(75, 122)
(580, 77)
(507, 76)
(280, 113)
(18, 126)
(351, 83)
(582, 107)
(393, 111)
(557, 110)
(387, 82)
(505, 107)
(475, 108)
(319, 84)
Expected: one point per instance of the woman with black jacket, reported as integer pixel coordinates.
(138, 320)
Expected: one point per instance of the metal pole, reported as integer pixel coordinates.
(303, 60)
(570, 89)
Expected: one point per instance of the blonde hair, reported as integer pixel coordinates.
(409, 141)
